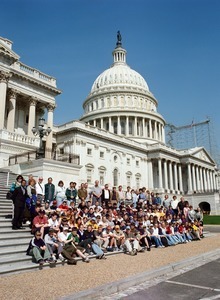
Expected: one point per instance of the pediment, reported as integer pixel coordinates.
(4, 50)
(202, 154)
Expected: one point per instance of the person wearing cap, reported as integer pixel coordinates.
(131, 242)
(119, 236)
(40, 223)
(40, 189)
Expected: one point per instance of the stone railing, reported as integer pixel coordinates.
(33, 155)
(20, 138)
(34, 73)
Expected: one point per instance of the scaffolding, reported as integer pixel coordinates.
(196, 134)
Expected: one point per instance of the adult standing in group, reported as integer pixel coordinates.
(82, 192)
(174, 204)
(49, 189)
(106, 195)
(19, 198)
(71, 192)
(96, 192)
(40, 189)
(121, 196)
(60, 193)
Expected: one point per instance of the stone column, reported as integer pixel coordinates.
(4, 78)
(155, 131)
(180, 178)
(94, 123)
(11, 113)
(49, 139)
(160, 174)
(201, 180)
(189, 179)
(208, 179)
(197, 179)
(127, 126)
(119, 126)
(162, 134)
(150, 129)
(175, 177)
(110, 124)
(135, 126)
(194, 178)
(101, 123)
(150, 175)
(205, 180)
(171, 176)
(211, 181)
(32, 115)
(143, 126)
(165, 175)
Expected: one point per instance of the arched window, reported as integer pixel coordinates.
(115, 177)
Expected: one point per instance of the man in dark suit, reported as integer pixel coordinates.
(106, 195)
(19, 198)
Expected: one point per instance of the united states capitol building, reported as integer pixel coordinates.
(120, 138)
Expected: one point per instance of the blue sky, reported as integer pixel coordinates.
(173, 44)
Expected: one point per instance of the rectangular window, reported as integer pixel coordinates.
(137, 163)
(101, 155)
(128, 161)
(89, 151)
(61, 151)
(89, 175)
(128, 180)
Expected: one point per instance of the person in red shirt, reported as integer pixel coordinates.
(40, 223)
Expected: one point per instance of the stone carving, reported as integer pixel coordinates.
(4, 77)
(51, 107)
(119, 39)
(12, 94)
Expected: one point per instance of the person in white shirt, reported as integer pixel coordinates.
(40, 189)
(60, 193)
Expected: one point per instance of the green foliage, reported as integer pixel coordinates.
(211, 220)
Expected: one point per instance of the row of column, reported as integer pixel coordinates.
(12, 96)
(134, 126)
(199, 179)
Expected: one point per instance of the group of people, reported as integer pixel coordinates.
(70, 222)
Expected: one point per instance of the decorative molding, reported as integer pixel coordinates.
(51, 107)
(33, 101)
(12, 94)
(5, 76)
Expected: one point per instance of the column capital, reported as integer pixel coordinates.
(5, 76)
(51, 107)
(33, 101)
(12, 93)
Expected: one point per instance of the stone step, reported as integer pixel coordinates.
(9, 250)
(21, 266)
(7, 229)
(6, 215)
(14, 258)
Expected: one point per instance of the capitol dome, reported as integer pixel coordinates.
(119, 74)
(120, 102)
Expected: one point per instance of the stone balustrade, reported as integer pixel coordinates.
(34, 73)
(20, 138)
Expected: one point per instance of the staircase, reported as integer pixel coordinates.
(13, 244)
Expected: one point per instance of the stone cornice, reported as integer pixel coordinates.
(38, 82)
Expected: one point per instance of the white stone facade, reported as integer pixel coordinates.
(119, 139)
